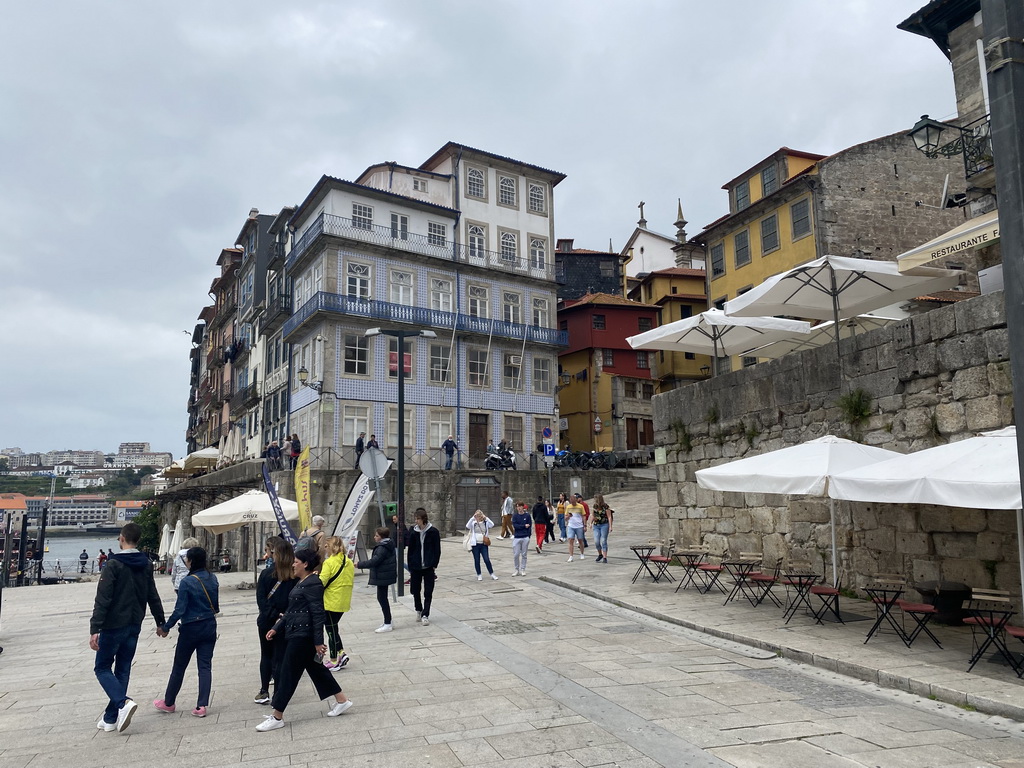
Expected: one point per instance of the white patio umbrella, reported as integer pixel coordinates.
(253, 506)
(822, 334)
(174, 546)
(204, 458)
(715, 333)
(805, 469)
(165, 540)
(978, 473)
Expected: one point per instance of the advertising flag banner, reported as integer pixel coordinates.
(286, 530)
(302, 489)
(356, 504)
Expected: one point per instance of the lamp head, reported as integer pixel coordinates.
(303, 375)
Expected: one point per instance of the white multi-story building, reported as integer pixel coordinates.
(460, 246)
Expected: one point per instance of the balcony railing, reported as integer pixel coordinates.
(431, 318)
(227, 310)
(277, 312)
(244, 398)
(329, 225)
(275, 255)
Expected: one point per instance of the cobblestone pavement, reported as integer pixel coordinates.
(547, 671)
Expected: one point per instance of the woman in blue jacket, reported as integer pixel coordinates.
(196, 608)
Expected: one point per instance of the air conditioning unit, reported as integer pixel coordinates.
(515, 360)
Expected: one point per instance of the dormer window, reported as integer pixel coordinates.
(742, 194)
(769, 180)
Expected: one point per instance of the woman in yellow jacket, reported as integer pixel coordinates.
(338, 575)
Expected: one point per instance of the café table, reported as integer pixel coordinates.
(884, 595)
(689, 559)
(740, 571)
(643, 553)
(801, 583)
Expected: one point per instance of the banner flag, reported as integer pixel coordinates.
(356, 504)
(286, 530)
(302, 489)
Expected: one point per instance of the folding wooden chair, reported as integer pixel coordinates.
(661, 562)
(1017, 632)
(990, 611)
(921, 613)
(709, 572)
(829, 597)
(765, 579)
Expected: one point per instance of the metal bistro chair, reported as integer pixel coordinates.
(689, 558)
(990, 611)
(765, 579)
(829, 597)
(710, 574)
(662, 561)
(921, 613)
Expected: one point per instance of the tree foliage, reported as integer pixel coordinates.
(148, 520)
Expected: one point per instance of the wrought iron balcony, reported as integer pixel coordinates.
(385, 311)
(279, 309)
(226, 310)
(244, 398)
(329, 225)
(275, 255)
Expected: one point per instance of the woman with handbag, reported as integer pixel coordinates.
(196, 608)
(601, 517)
(273, 589)
(338, 574)
(303, 627)
(479, 542)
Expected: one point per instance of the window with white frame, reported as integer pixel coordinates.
(354, 419)
(542, 375)
(511, 370)
(538, 198)
(506, 190)
(514, 431)
(393, 357)
(541, 313)
(399, 226)
(479, 375)
(357, 280)
(410, 436)
(476, 183)
(357, 355)
(509, 246)
(318, 277)
(741, 245)
(643, 360)
(608, 358)
(538, 253)
(511, 307)
(419, 185)
(362, 216)
(436, 233)
(402, 288)
(478, 301)
(477, 241)
(439, 426)
(440, 363)
(441, 294)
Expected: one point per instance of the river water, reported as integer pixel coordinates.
(67, 549)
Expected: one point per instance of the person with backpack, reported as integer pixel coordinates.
(338, 574)
(273, 589)
(296, 450)
(314, 537)
(383, 564)
(541, 522)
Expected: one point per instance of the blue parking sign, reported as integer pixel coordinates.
(549, 449)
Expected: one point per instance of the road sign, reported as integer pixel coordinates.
(373, 463)
(546, 432)
(550, 462)
(549, 450)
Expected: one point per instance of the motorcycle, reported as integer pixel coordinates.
(500, 459)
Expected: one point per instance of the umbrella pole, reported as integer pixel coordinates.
(714, 360)
(835, 549)
(1020, 545)
(835, 326)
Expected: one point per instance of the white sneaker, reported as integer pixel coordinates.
(570, 559)
(270, 724)
(522, 572)
(425, 621)
(479, 577)
(103, 725)
(515, 573)
(494, 576)
(581, 555)
(339, 708)
(383, 628)
(124, 714)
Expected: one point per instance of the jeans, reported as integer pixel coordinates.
(601, 537)
(198, 637)
(561, 526)
(335, 646)
(382, 599)
(448, 461)
(271, 652)
(427, 576)
(520, 547)
(481, 550)
(117, 649)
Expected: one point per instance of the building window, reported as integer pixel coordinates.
(608, 357)
(441, 294)
(717, 260)
(358, 280)
(597, 322)
(436, 233)
(399, 226)
(644, 324)
(563, 325)
(393, 357)
(629, 388)
(511, 370)
(475, 183)
(769, 180)
(538, 253)
(477, 241)
(478, 301)
(607, 268)
(439, 426)
(541, 315)
(440, 363)
(479, 376)
(742, 195)
(419, 185)
(689, 356)
(362, 216)
(741, 242)
(542, 375)
(507, 190)
(514, 431)
(509, 246)
(538, 198)
(357, 355)
(646, 390)
(354, 419)
(749, 361)
(407, 427)
(643, 360)
(800, 215)
(769, 234)
(511, 307)
(402, 288)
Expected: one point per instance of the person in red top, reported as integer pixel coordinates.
(586, 521)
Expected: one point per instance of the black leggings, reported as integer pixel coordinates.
(334, 643)
(271, 652)
(382, 598)
(300, 655)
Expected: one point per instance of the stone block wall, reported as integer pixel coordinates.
(933, 378)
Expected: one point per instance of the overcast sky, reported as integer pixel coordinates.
(136, 137)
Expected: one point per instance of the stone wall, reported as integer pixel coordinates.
(933, 378)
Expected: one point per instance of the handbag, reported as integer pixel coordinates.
(467, 541)
(486, 541)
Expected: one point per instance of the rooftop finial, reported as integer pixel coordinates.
(642, 223)
(680, 222)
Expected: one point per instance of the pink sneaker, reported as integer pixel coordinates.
(159, 704)
(199, 712)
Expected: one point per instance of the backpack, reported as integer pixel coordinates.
(309, 541)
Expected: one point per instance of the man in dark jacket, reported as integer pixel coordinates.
(126, 587)
(541, 521)
(424, 552)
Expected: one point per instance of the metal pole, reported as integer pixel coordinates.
(400, 533)
(1004, 58)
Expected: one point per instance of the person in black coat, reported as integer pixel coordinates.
(383, 564)
(424, 553)
(273, 589)
(303, 628)
(541, 522)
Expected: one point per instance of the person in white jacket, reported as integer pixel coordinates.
(178, 568)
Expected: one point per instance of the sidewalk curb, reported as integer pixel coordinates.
(1008, 705)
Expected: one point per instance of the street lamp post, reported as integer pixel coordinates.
(401, 335)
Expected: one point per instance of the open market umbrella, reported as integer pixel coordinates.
(205, 458)
(805, 469)
(822, 334)
(978, 473)
(717, 334)
(253, 506)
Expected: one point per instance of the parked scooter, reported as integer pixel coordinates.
(500, 459)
